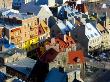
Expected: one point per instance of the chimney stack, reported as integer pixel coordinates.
(64, 36)
(52, 40)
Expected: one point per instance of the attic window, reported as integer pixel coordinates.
(67, 38)
(71, 42)
(92, 36)
(96, 34)
(57, 41)
(76, 59)
(88, 37)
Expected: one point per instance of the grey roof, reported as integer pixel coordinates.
(9, 26)
(31, 8)
(24, 66)
(20, 16)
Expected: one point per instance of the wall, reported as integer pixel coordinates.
(6, 3)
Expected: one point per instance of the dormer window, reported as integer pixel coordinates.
(89, 28)
(88, 37)
(76, 59)
(92, 36)
(96, 34)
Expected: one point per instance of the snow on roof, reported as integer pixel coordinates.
(91, 31)
(63, 27)
(31, 8)
(47, 9)
(78, 2)
(9, 11)
(104, 6)
(56, 76)
(68, 9)
(69, 25)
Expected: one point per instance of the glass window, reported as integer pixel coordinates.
(96, 34)
(92, 35)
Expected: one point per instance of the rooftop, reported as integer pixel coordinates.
(24, 66)
(56, 76)
(61, 43)
(75, 57)
(11, 52)
(49, 55)
(91, 31)
(19, 16)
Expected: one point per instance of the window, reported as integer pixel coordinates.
(89, 28)
(67, 38)
(59, 62)
(96, 34)
(38, 20)
(88, 37)
(70, 66)
(92, 36)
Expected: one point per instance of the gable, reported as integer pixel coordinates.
(91, 31)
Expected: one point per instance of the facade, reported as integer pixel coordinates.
(94, 37)
(6, 4)
(12, 56)
(74, 75)
(24, 34)
(42, 12)
(43, 31)
(93, 0)
(105, 37)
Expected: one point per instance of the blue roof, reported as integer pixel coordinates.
(6, 43)
(56, 76)
(16, 80)
(41, 2)
(2, 77)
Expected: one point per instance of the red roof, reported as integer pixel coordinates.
(15, 29)
(76, 57)
(49, 55)
(69, 40)
(61, 43)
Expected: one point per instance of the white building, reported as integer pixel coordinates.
(93, 35)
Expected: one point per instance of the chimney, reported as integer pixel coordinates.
(64, 36)
(52, 40)
(104, 24)
(69, 33)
